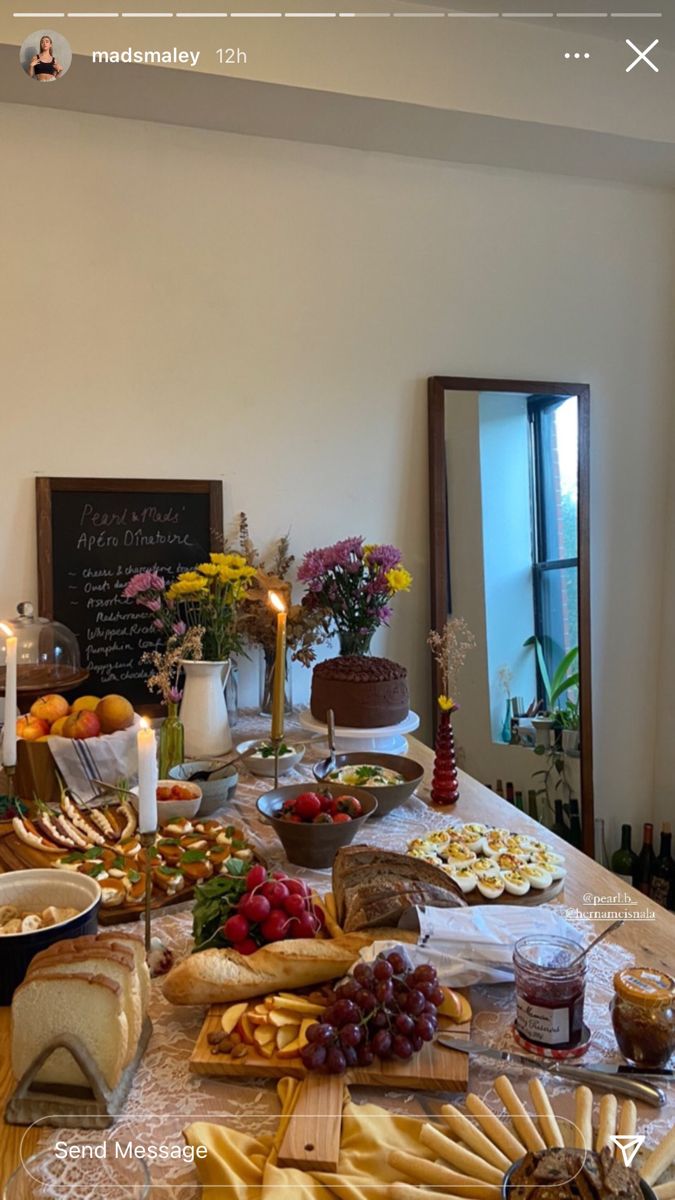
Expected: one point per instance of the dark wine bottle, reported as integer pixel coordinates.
(663, 871)
(509, 792)
(519, 801)
(646, 859)
(625, 860)
(559, 825)
(532, 804)
(574, 837)
(500, 788)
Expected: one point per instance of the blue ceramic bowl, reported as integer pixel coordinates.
(34, 891)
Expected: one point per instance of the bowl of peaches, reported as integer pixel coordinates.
(312, 824)
(174, 800)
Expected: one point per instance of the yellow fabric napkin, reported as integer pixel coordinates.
(239, 1166)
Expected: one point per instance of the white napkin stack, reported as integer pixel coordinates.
(109, 758)
(473, 945)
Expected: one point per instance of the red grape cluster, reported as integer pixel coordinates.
(385, 1010)
(271, 909)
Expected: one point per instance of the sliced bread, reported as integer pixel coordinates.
(374, 887)
(137, 948)
(89, 1007)
(104, 960)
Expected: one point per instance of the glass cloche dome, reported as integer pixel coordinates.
(48, 656)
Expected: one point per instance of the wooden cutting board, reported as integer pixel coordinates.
(434, 1069)
(15, 855)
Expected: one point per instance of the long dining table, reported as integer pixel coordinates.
(165, 1094)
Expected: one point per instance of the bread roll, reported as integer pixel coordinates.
(219, 976)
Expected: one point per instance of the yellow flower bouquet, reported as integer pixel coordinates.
(208, 597)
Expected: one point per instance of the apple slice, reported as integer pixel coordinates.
(451, 1005)
(291, 1049)
(298, 1004)
(245, 1028)
(302, 1036)
(258, 1018)
(286, 1034)
(267, 1049)
(264, 1036)
(278, 1017)
(232, 1015)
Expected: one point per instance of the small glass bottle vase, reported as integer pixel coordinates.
(445, 781)
(171, 741)
(267, 662)
(355, 642)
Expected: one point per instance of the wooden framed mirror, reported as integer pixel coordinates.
(509, 534)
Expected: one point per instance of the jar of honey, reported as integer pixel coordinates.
(643, 1015)
(550, 976)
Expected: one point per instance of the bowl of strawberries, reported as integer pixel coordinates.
(312, 824)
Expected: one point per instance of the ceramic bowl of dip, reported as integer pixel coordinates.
(407, 776)
(263, 764)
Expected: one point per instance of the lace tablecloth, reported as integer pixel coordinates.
(165, 1096)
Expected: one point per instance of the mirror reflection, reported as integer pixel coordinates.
(512, 524)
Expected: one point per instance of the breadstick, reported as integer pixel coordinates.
(606, 1120)
(494, 1128)
(410, 1191)
(522, 1124)
(583, 1119)
(660, 1159)
(666, 1191)
(550, 1130)
(465, 1132)
(421, 1170)
(627, 1123)
(458, 1157)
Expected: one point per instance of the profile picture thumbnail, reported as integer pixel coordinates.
(45, 56)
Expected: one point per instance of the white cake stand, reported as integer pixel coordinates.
(387, 739)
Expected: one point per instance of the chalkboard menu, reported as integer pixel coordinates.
(93, 534)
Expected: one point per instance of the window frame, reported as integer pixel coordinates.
(541, 564)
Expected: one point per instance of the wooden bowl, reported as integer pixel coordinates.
(308, 845)
(388, 798)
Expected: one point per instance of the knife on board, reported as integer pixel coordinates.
(606, 1080)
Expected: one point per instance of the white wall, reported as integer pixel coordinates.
(183, 302)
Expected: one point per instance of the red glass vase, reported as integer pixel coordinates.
(445, 781)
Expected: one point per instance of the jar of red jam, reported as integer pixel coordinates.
(550, 977)
(643, 1015)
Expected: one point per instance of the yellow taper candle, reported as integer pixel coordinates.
(279, 684)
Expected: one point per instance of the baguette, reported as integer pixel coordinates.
(219, 976)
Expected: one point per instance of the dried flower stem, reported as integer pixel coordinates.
(450, 649)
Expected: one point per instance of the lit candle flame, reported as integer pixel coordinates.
(145, 724)
(6, 629)
(276, 602)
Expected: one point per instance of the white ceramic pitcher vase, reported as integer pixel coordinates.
(203, 710)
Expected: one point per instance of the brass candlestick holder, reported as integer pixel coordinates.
(277, 743)
(147, 841)
(9, 775)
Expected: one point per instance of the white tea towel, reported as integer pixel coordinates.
(111, 757)
(474, 945)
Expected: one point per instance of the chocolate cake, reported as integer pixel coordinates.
(364, 692)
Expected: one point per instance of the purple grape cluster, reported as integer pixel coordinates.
(383, 1011)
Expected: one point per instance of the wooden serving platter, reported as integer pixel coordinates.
(15, 855)
(434, 1069)
(533, 897)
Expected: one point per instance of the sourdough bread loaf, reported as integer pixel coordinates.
(87, 1006)
(373, 887)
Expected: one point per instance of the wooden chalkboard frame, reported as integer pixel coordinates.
(46, 487)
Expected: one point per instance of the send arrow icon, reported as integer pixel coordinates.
(628, 1144)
